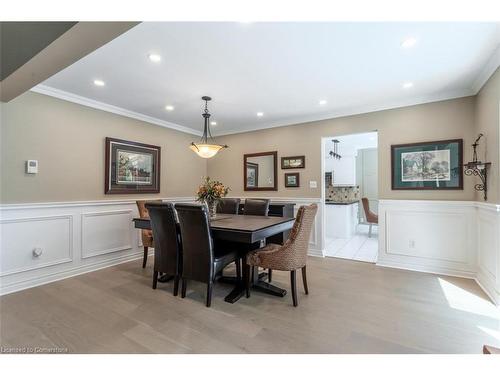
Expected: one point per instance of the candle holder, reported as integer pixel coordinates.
(479, 169)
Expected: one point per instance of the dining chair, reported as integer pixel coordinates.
(371, 217)
(147, 234)
(201, 260)
(168, 246)
(290, 256)
(228, 206)
(259, 207)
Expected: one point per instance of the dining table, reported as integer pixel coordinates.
(244, 229)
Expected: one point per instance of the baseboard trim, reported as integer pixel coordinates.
(428, 269)
(315, 253)
(495, 297)
(61, 275)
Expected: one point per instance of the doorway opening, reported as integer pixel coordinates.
(350, 196)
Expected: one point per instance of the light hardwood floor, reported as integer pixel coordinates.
(353, 307)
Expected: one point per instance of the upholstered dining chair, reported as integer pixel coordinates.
(229, 206)
(259, 207)
(147, 234)
(201, 260)
(168, 246)
(290, 256)
(371, 217)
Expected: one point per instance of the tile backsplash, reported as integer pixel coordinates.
(342, 193)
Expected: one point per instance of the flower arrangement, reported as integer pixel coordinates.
(211, 192)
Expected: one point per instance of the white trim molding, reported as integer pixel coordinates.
(73, 238)
(357, 110)
(83, 236)
(87, 102)
(456, 238)
(488, 70)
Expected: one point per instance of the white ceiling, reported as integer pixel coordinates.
(281, 69)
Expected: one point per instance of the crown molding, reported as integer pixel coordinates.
(358, 110)
(488, 70)
(64, 95)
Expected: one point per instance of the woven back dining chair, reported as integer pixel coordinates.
(290, 256)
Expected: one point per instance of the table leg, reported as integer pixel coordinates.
(258, 285)
(165, 278)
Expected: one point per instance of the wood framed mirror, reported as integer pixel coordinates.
(260, 171)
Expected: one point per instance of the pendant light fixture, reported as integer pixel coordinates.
(335, 152)
(207, 147)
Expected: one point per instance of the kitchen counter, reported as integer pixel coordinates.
(341, 203)
(341, 219)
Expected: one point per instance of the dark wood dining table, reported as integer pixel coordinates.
(245, 229)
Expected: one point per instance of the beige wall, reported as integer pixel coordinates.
(427, 122)
(488, 122)
(68, 141)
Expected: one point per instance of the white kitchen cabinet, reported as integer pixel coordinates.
(341, 220)
(344, 171)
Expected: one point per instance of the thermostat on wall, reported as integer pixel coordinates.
(32, 166)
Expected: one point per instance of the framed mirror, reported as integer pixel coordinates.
(260, 171)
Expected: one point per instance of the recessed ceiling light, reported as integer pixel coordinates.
(409, 42)
(99, 82)
(169, 107)
(213, 123)
(154, 57)
(260, 114)
(322, 102)
(407, 85)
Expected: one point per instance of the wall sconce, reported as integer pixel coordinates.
(478, 168)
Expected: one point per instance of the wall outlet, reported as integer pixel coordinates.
(313, 184)
(411, 244)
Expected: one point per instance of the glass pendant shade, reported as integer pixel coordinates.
(203, 148)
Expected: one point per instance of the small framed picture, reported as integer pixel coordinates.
(293, 162)
(131, 167)
(427, 165)
(292, 180)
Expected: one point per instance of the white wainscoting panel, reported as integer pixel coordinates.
(447, 237)
(106, 232)
(75, 237)
(488, 246)
(428, 236)
(50, 235)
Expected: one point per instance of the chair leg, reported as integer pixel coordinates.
(252, 273)
(209, 293)
(269, 275)
(238, 268)
(183, 288)
(304, 279)
(176, 285)
(145, 258)
(294, 287)
(370, 231)
(246, 277)
(155, 279)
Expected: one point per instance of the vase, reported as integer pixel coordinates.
(212, 209)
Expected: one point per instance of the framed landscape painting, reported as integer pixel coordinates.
(131, 167)
(427, 165)
(293, 162)
(292, 180)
